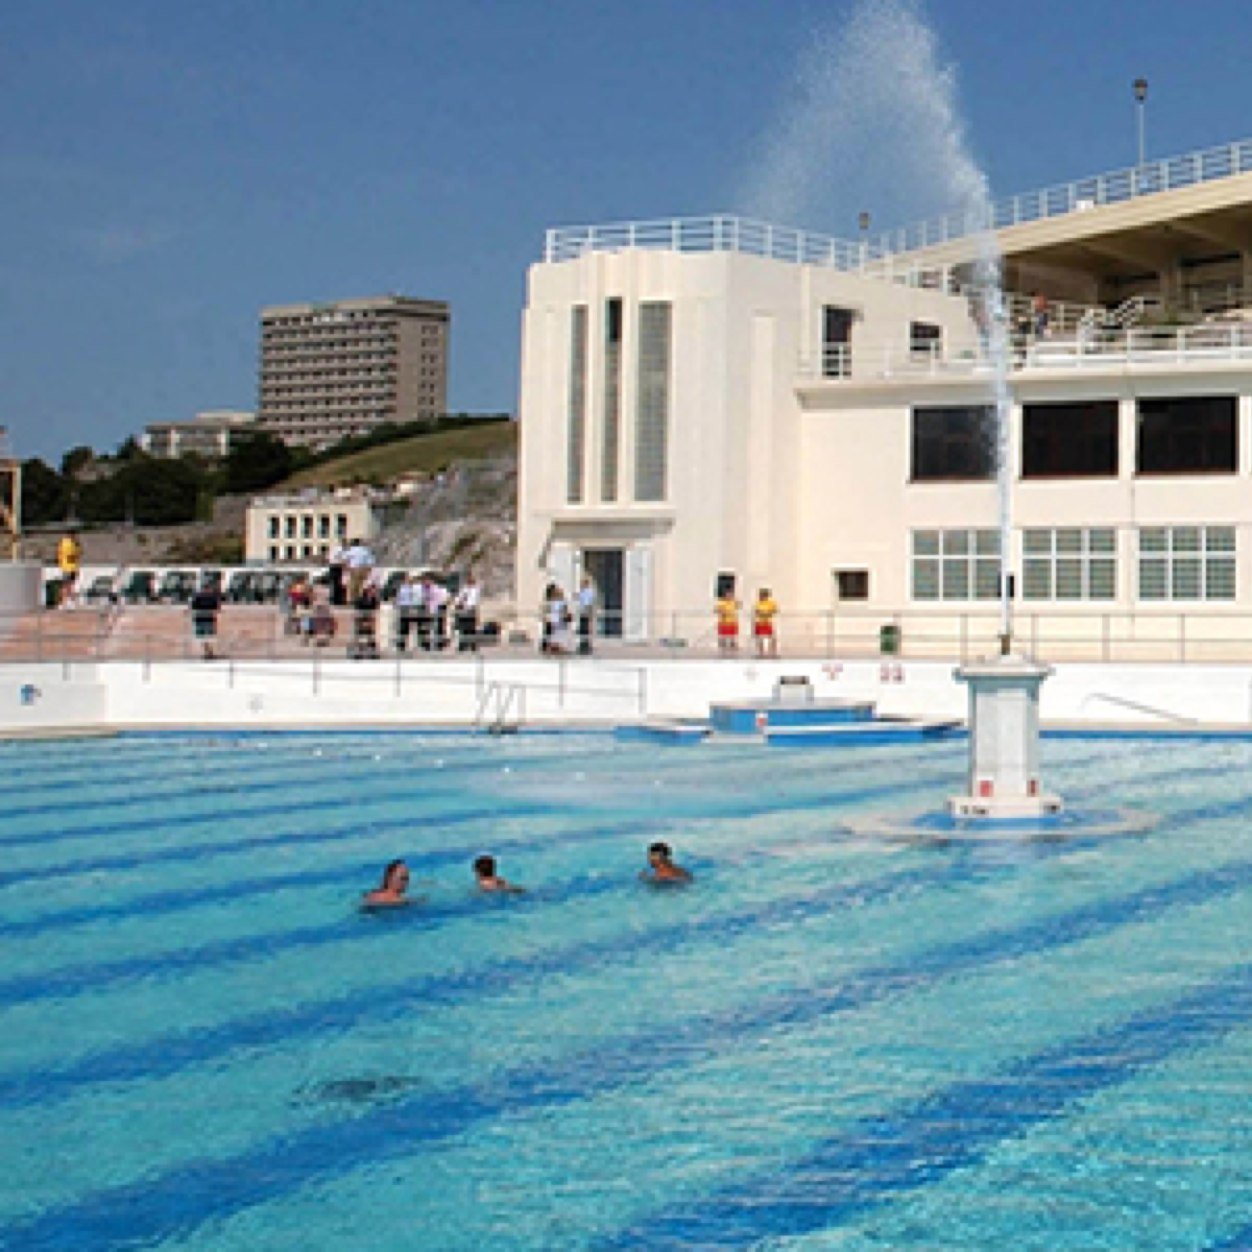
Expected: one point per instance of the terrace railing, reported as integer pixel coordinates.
(722, 232)
(717, 232)
(1215, 342)
(1114, 187)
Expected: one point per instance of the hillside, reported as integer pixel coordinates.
(418, 454)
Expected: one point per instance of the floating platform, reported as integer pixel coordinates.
(785, 723)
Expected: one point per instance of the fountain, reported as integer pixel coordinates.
(874, 114)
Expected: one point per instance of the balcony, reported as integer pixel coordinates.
(1215, 344)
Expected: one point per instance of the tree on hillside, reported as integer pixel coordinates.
(255, 462)
(75, 459)
(45, 495)
(149, 491)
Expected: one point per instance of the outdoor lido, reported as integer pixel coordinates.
(994, 469)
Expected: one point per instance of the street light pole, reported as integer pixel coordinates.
(862, 221)
(1140, 86)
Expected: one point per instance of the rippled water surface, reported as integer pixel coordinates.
(825, 1042)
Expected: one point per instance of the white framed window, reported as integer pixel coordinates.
(1069, 563)
(1187, 563)
(956, 564)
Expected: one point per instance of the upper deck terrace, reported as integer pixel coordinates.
(1168, 227)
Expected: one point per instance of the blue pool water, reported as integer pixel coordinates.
(825, 1043)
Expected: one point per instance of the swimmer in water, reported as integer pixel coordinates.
(661, 867)
(392, 890)
(488, 880)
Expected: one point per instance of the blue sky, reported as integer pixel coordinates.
(167, 169)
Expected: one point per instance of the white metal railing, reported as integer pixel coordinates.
(1114, 187)
(723, 232)
(718, 232)
(1092, 349)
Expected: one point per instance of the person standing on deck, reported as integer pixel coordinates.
(763, 613)
(70, 563)
(465, 609)
(586, 616)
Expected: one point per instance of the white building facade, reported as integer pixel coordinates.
(306, 527)
(708, 400)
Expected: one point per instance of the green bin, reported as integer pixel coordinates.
(889, 639)
(52, 592)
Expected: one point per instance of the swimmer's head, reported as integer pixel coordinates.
(660, 852)
(485, 866)
(395, 876)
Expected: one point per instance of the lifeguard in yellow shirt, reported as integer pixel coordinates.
(70, 563)
(763, 613)
(726, 610)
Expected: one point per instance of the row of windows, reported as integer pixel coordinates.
(294, 552)
(306, 523)
(1173, 435)
(1077, 563)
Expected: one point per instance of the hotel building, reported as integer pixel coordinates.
(711, 401)
(338, 369)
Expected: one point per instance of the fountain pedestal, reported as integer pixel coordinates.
(1003, 778)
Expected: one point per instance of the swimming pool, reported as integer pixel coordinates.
(824, 1043)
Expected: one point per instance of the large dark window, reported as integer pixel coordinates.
(1070, 440)
(1188, 435)
(953, 443)
(836, 341)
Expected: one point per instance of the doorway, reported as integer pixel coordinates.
(605, 567)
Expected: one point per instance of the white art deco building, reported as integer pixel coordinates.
(711, 398)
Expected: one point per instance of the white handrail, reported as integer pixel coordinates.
(1092, 348)
(725, 232)
(1114, 187)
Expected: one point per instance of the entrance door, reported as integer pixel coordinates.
(605, 568)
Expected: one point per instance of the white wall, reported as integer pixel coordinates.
(121, 694)
(21, 584)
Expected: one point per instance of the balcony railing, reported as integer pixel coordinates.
(718, 232)
(1211, 342)
(728, 233)
(1115, 187)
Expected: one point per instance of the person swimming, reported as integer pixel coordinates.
(488, 880)
(661, 868)
(391, 891)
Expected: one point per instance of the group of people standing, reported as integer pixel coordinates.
(422, 610)
(727, 611)
(561, 618)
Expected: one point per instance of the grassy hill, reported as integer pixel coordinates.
(419, 453)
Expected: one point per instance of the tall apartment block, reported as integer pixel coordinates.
(338, 369)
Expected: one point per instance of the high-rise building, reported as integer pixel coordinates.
(342, 368)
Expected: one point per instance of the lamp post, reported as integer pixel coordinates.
(862, 221)
(1140, 86)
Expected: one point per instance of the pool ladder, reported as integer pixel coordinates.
(501, 708)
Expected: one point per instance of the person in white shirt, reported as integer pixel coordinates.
(586, 616)
(438, 608)
(360, 561)
(465, 609)
(406, 613)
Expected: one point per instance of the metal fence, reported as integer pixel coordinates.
(254, 635)
(724, 232)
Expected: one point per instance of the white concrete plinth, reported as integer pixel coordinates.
(1003, 781)
(21, 583)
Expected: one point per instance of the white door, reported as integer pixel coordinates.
(638, 607)
(564, 564)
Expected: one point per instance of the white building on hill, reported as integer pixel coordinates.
(712, 399)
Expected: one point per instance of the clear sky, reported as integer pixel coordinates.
(166, 168)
